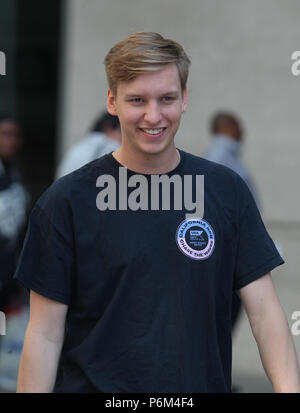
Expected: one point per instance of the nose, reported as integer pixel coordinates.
(153, 113)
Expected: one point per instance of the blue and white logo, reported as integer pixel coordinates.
(195, 238)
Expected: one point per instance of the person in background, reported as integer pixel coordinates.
(14, 202)
(227, 139)
(104, 137)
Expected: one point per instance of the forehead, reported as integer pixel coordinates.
(156, 82)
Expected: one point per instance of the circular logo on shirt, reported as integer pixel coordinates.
(195, 238)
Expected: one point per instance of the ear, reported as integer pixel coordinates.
(111, 102)
(184, 100)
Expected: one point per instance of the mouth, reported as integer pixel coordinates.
(153, 133)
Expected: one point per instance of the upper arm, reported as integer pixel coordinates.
(47, 317)
(260, 299)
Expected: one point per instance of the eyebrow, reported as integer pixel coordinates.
(134, 95)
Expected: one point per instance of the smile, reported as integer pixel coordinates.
(153, 132)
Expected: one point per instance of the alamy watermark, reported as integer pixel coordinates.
(296, 65)
(2, 63)
(138, 198)
(2, 324)
(296, 325)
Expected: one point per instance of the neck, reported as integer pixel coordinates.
(145, 163)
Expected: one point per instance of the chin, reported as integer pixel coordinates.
(154, 149)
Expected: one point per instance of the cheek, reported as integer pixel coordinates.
(174, 114)
(129, 117)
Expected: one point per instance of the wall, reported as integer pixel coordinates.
(241, 60)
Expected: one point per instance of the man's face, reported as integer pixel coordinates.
(149, 108)
(10, 139)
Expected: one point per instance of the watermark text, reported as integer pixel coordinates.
(296, 65)
(114, 193)
(2, 324)
(296, 325)
(2, 64)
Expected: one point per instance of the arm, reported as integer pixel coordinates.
(272, 334)
(42, 345)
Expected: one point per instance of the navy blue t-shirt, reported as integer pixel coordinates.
(149, 291)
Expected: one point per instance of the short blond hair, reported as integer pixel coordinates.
(143, 52)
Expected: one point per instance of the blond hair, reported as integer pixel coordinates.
(143, 52)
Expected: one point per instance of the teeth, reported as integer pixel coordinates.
(153, 131)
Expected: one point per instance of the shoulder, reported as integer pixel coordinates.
(75, 184)
(89, 141)
(82, 152)
(95, 141)
(222, 182)
(209, 168)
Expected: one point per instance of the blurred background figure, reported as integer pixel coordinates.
(103, 137)
(227, 139)
(14, 203)
(14, 206)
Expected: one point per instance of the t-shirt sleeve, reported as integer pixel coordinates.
(256, 252)
(46, 263)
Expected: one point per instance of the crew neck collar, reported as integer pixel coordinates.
(117, 164)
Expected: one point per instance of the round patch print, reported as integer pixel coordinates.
(195, 238)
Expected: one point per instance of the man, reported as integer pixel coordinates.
(104, 137)
(227, 135)
(131, 298)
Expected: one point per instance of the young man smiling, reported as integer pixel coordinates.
(140, 300)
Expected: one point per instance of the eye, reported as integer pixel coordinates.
(168, 98)
(136, 100)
